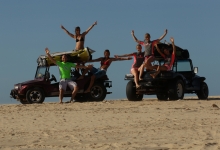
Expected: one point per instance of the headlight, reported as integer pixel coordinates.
(17, 87)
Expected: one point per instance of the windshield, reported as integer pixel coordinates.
(40, 72)
(183, 66)
(180, 65)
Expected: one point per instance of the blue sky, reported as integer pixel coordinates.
(27, 27)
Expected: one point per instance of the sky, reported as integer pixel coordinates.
(27, 27)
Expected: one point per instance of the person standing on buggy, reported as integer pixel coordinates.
(148, 54)
(80, 38)
(136, 66)
(101, 71)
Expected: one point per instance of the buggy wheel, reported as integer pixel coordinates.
(24, 101)
(97, 92)
(162, 96)
(80, 98)
(203, 93)
(35, 95)
(131, 92)
(176, 90)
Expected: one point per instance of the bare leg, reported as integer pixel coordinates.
(135, 73)
(75, 90)
(90, 84)
(153, 75)
(141, 70)
(159, 68)
(61, 96)
(148, 64)
(84, 72)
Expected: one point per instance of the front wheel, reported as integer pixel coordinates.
(162, 96)
(203, 93)
(35, 95)
(80, 98)
(131, 92)
(97, 92)
(24, 101)
(176, 90)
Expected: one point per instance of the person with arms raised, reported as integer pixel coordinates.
(65, 77)
(100, 72)
(148, 45)
(136, 66)
(80, 38)
(169, 59)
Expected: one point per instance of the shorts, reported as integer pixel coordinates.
(98, 73)
(168, 67)
(64, 82)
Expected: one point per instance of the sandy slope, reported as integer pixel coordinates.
(112, 125)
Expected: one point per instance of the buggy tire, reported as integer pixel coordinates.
(162, 96)
(81, 98)
(35, 95)
(97, 92)
(176, 90)
(131, 92)
(203, 93)
(24, 101)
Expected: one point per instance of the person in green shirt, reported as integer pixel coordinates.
(65, 77)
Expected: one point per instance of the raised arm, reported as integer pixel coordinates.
(95, 60)
(134, 37)
(67, 32)
(49, 56)
(159, 51)
(165, 33)
(121, 58)
(87, 31)
(174, 47)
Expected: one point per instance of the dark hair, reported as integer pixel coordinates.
(107, 51)
(65, 55)
(147, 34)
(138, 45)
(77, 28)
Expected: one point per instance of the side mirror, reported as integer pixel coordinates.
(196, 70)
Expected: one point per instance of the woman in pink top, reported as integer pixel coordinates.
(149, 53)
(138, 61)
(169, 59)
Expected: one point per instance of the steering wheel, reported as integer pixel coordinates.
(53, 78)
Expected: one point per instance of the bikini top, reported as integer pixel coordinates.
(103, 62)
(81, 39)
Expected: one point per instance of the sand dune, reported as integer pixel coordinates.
(112, 125)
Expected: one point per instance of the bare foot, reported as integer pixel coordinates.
(138, 86)
(60, 102)
(140, 79)
(71, 101)
(153, 75)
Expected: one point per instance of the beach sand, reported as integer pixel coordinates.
(112, 125)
